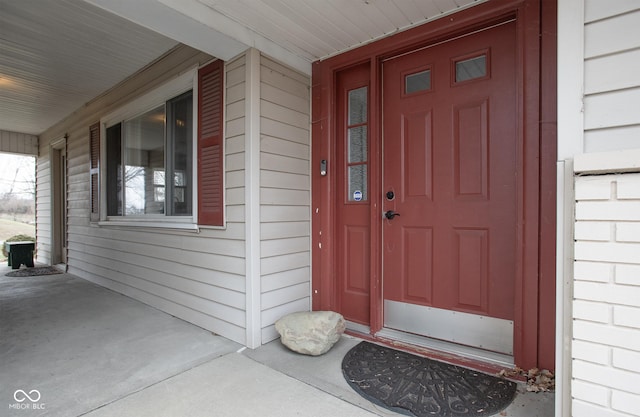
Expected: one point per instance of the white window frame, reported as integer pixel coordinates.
(160, 95)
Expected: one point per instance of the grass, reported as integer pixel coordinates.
(10, 228)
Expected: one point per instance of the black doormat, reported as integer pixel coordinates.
(417, 386)
(33, 272)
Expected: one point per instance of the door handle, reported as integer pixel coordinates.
(391, 214)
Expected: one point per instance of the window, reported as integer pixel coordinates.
(163, 155)
(420, 81)
(150, 159)
(357, 144)
(470, 69)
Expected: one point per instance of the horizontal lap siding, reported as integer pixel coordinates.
(612, 86)
(43, 208)
(198, 277)
(285, 194)
(234, 152)
(606, 288)
(18, 143)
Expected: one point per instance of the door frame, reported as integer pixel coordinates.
(532, 297)
(57, 151)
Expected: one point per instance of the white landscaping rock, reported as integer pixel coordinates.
(311, 332)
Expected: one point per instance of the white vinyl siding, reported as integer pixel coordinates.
(234, 145)
(285, 194)
(604, 325)
(43, 208)
(18, 143)
(198, 277)
(204, 276)
(611, 82)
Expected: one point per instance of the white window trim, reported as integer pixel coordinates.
(150, 223)
(181, 84)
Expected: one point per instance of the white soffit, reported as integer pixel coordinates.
(317, 29)
(296, 32)
(57, 55)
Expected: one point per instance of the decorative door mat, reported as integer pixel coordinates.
(417, 386)
(33, 272)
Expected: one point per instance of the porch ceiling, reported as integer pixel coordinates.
(56, 55)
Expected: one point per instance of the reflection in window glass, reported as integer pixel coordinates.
(358, 183)
(420, 81)
(158, 185)
(357, 144)
(114, 170)
(471, 68)
(149, 161)
(143, 157)
(357, 106)
(179, 111)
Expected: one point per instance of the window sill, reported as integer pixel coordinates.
(150, 224)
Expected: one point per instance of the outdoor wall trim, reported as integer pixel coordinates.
(607, 162)
(235, 32)
(56, 233)
(199, 26)
(166, 20)
(570, 131)
(252, 198)
(564, 286)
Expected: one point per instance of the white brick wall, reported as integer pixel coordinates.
(606, 299)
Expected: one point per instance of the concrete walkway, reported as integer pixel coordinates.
(71, 348)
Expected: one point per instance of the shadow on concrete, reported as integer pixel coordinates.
(90, 351)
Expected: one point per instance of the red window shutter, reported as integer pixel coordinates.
(94, 172)
(210, 144)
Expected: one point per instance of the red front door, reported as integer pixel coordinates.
(450, 174)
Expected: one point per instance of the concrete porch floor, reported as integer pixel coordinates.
(89, 351)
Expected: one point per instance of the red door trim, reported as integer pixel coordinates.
(376, 198)
(526, 302)
(538, 189)
(549, 156)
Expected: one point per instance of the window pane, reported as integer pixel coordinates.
(179, 137)
(471, 68)
(158, 185)
(358, 144)
(357, 106)
(114, 170)
(358, 183)
(158, 194)
(419, 81)
(143, 156)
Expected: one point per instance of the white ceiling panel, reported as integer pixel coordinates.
(56, 55)
(317, 29)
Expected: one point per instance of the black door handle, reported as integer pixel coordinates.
(391, 214)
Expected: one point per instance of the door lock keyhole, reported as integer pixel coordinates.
(390, 195)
